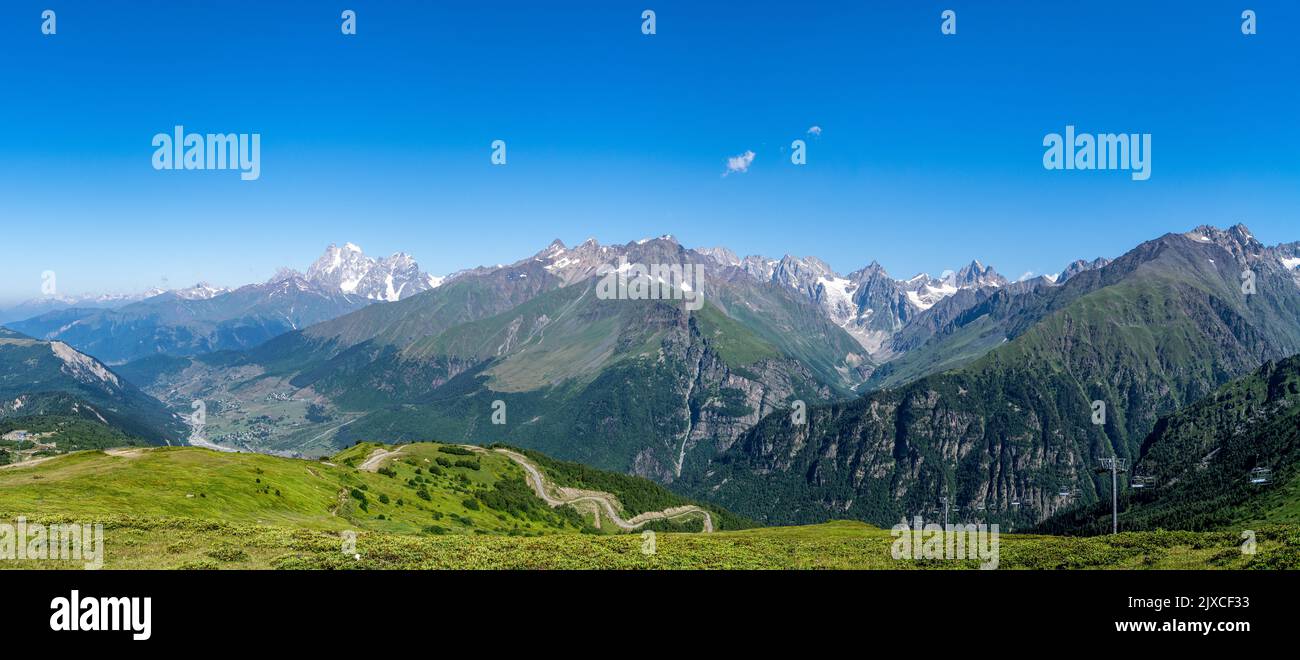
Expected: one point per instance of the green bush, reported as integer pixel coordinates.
(228, 553)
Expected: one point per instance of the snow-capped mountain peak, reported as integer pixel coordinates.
(868, 303)
(348, 270)
(721, 255)
(201, 291)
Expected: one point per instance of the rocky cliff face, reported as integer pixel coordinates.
(1016, 445)
(719, 402)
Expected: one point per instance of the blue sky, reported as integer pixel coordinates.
(930, 155)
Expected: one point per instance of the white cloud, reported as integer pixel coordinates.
(815, 131)
(1029, 274)
(739, 163)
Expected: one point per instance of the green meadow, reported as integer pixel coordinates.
(433, 506)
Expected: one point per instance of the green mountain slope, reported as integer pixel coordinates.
(395, 325)
(1199, 462)
(618, 384)
(1206, 258)
(1010, 435)
(38, 377)
(421, 489)
(200, 484)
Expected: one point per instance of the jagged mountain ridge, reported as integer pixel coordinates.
(869, 304)
(955, 334)
(349, 271)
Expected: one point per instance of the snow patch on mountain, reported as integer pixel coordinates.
(562, 262)
(927, 295)
(837, 296)
(868, 304)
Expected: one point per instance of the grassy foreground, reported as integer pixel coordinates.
(197, 509)
(168, 543)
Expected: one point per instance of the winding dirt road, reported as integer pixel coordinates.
(376, 457)
(556, 496)
(29, 462)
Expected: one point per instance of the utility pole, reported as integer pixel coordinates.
(1115, 466)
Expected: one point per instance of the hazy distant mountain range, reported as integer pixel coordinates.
(204, 319)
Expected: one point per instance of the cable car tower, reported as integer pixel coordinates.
(1114, 465)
